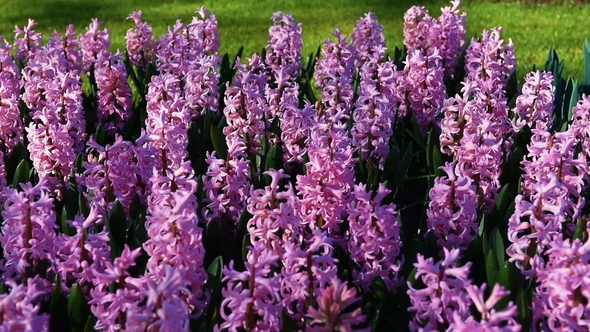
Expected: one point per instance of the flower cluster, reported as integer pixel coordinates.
(375, 241)
(284, 47)
(114, 93)
(140, 42)
(551, 192)
(334, 73)
(374, 114)
(93, 43)
(452, 212)
(368, 40)
(11, 125)
(534, 106)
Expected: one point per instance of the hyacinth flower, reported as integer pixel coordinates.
(11, 125)
(443, 296)
(451, 32)
(20, 308)
(333, 313)
(114, 93)
(56, 134)
(273, 213)
(551, 192)
(175, 239)
(308, 268)
(140, 42)
(226, 183)
(284, 46)
(161, 305)
(280, 94)
(480, 157)
(110, 308)
(251, 298)
(28, 231)
(324, 191)
(425, 86)
(203, 32)
(374, 114)
(167, 122)
(474, 131)
(334, 73)
(368, 40)
(26, 41)
(69, 46)
(561, 300)
(110, 174)
(490, 59)
(491, 320)
(93, 43)
(296, 124)
(534, 107)
(200, 87)
(452, 211)
(418, 25)
(457, 112)
(375, 239)
(79, 257)
(245, 104)
(178, 49)
(445, 35)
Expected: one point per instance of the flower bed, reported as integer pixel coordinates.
(168, 187)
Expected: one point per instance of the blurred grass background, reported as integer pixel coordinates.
(533, 28)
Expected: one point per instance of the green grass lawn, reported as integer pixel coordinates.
(533, 29)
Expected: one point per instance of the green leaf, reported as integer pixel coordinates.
(412, 277)
(82, 205)
(99, 135)
(56, 297)
(379, 288)
(214, 239)
(509, 276)
(90, 322)
(437, 161)
(21, 175)
(78, 309)
(218, 140)
(497, 245)
(586, 78)
(504, 198)
(581, 229)
(117, 223)
(241, 235)
(65, 228)
(492, 268)
(274, 158)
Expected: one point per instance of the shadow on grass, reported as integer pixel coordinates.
(56, 14)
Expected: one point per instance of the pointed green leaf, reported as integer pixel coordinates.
(90, 322)
(274, 158)
(498, 245)
(581, 229)
(219, 143)
(65, 227)
(83, 205)
(56, 297)
(117, 223)
(99, 135)
(492, 268)
(78, 309)
(21, 175)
